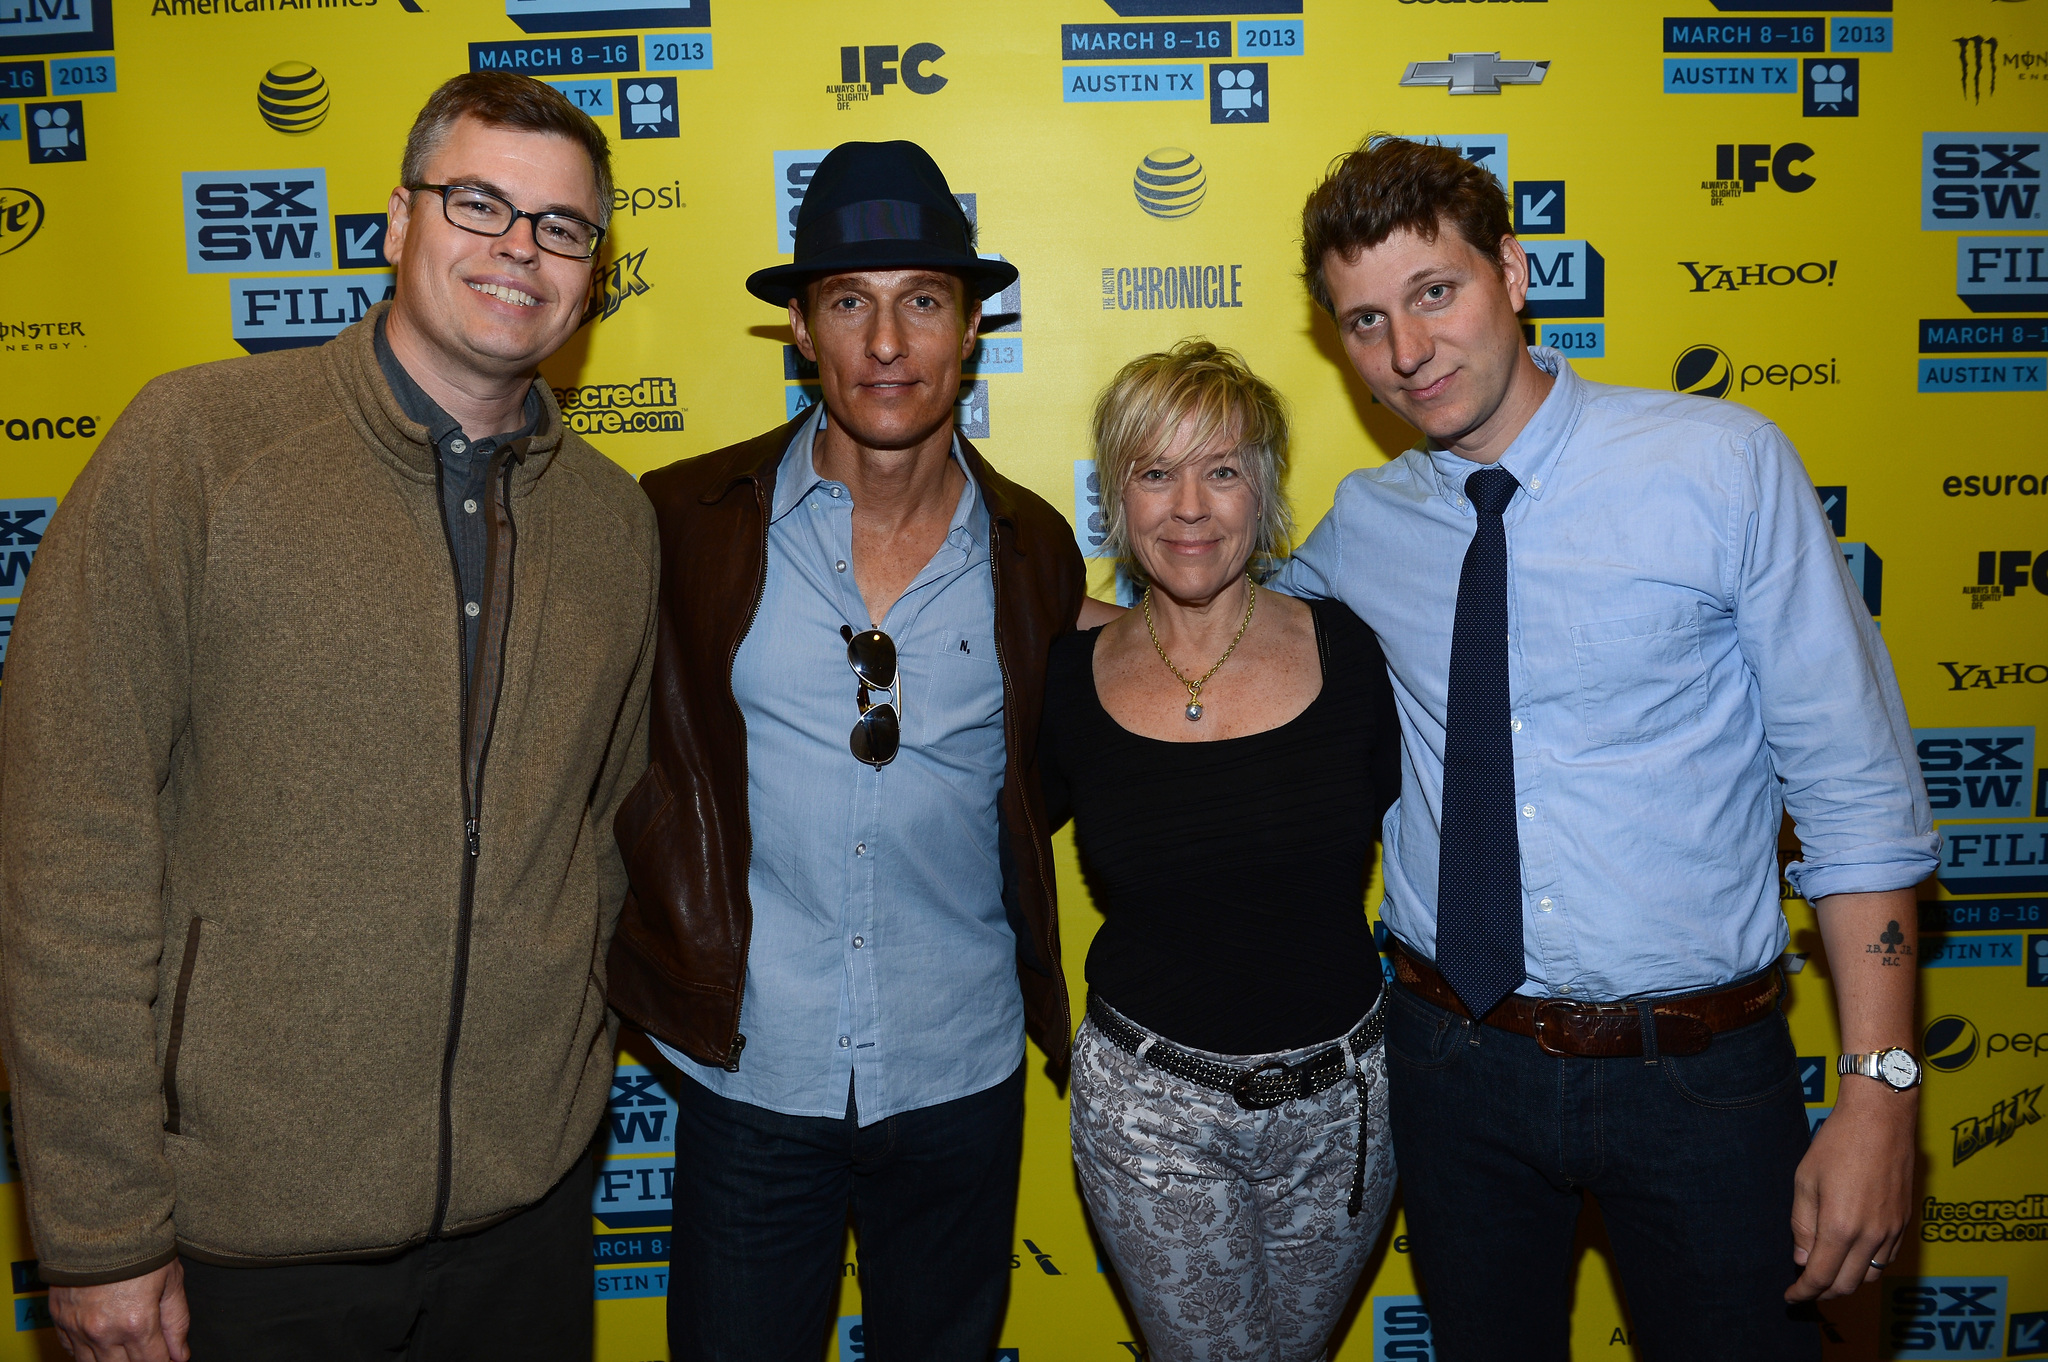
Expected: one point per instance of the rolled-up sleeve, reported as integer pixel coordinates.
(1830, 701)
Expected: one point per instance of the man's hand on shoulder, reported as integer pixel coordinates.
(142, 1319)
(1853, 1194)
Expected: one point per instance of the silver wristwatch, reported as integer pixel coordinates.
(1895, 1068)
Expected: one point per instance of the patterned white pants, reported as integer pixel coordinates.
(1229, 1229)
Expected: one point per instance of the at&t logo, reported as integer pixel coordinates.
(292, 97)
(1170, 183)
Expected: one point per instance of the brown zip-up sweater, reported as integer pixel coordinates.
(302, 962)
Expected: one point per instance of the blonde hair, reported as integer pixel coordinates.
(1141, 410)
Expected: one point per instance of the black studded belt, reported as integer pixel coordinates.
(1255, 1088)
(1259, 1087)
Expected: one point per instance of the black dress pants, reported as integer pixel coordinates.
(520, 1291)
(1690, 1156)
(761, 1214)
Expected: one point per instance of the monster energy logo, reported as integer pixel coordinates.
(1970, 53)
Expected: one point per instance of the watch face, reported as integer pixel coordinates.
(1897, 1068)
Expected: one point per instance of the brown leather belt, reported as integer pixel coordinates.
(1686, 1024)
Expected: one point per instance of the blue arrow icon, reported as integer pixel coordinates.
(1537, 214)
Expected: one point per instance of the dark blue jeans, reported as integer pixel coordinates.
(1690, 1157)
(761, 1205)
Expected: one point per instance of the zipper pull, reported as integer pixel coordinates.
(470, 831)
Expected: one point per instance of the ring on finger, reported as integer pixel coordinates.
(1876, 1265)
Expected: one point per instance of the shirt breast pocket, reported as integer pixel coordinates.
(1639, 676)
(967, 647)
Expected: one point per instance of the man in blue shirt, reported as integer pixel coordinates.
(842, 918)
(1624, 644)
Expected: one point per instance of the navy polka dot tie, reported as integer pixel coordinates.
(1479, 868)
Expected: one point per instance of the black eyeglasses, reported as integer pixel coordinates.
(878, 732)
(484, 213)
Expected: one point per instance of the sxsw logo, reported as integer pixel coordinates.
(22, 526)
(1982, 770)
(253, 220)
(1943, 1316)
(636, 1186)
(1401, 1330)
(1981, 178)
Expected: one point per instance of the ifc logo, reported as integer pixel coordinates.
(1703, 371)
(1170, 183)
(1949, 1044)
(292, 97)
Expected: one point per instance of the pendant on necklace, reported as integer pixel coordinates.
(1194, 710)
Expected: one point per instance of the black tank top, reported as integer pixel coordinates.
(1231, 874)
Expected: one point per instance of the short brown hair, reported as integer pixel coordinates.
(1141, 410)
(1390, 183)
(499, 99)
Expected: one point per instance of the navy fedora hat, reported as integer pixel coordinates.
(880, 206)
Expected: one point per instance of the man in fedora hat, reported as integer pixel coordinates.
(841, 922)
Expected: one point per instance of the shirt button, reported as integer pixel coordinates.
(1535, 483)
(839, 566)
(859, 941)
(1528, 811)
(1461, 501)
(470, 506)
(845, 1041)
(1515, 724)
(1544, 904)
(1564, 988)
(470, 609)
(457, 445)
(860, 848)
(835, 492)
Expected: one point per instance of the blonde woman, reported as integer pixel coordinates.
(1226, 754)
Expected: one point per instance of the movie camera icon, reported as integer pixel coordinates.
(647, 108)
(1237, 92)
(56, 132)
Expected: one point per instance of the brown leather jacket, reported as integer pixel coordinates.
(679, 962)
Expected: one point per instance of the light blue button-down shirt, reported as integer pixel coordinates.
(881, 954)
(1687, 658)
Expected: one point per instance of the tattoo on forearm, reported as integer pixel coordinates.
(1890, 945)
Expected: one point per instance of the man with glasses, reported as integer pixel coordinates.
(304, 996)
(842, 918)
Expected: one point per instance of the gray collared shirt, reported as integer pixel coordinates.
(881, 954)
(465, 473)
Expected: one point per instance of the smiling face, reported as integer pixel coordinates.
(1192, 514)
(491, 306)
(1431, 328)
(888, 345)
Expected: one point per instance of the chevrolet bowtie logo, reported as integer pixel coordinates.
(1475, 73)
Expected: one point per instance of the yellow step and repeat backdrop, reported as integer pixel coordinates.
(1834, 213)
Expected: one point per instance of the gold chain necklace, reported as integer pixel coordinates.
(1194, 709)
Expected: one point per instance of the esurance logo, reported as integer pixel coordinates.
(21, 217)
(1980, 770)
(237, 221)
(1981, 179)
